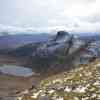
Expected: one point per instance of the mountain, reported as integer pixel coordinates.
(38, 42)
(59, 53)
(13, 41)
(89, 36)
(52, 53)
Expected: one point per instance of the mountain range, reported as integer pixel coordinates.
(50, 51)
(13, 41)
(25, 60)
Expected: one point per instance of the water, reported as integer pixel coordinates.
(16, 70)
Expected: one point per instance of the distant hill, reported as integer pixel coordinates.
(90, 36)
(13, 41)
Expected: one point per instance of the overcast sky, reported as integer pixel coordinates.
(71, 15)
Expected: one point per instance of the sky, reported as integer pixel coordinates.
(49, 15)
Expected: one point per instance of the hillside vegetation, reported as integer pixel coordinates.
(80, 83)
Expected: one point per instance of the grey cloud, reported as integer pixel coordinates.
(94, 18)
(29, 13)
(45, 13)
